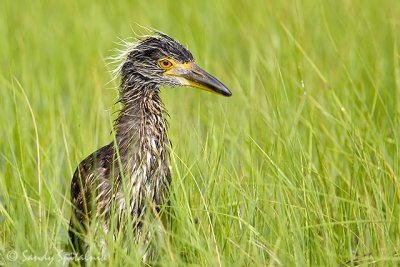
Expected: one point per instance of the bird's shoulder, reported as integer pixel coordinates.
(95, 165)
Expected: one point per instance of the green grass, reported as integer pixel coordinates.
(299, 168)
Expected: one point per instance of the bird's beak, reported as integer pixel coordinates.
(189, 74)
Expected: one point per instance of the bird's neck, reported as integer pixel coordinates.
(141, 130)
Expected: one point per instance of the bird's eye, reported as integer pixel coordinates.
(165, 63)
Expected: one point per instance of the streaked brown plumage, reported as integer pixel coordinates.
(136, 165)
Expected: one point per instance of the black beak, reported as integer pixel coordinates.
(192, 75)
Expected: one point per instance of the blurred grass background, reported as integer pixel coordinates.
(299, 168)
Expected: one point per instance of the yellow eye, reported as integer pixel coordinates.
(165, 63)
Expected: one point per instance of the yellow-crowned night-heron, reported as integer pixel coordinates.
(138, 159)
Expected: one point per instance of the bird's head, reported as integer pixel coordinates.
(160, 60)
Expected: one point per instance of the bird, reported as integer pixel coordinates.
(130, 176)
